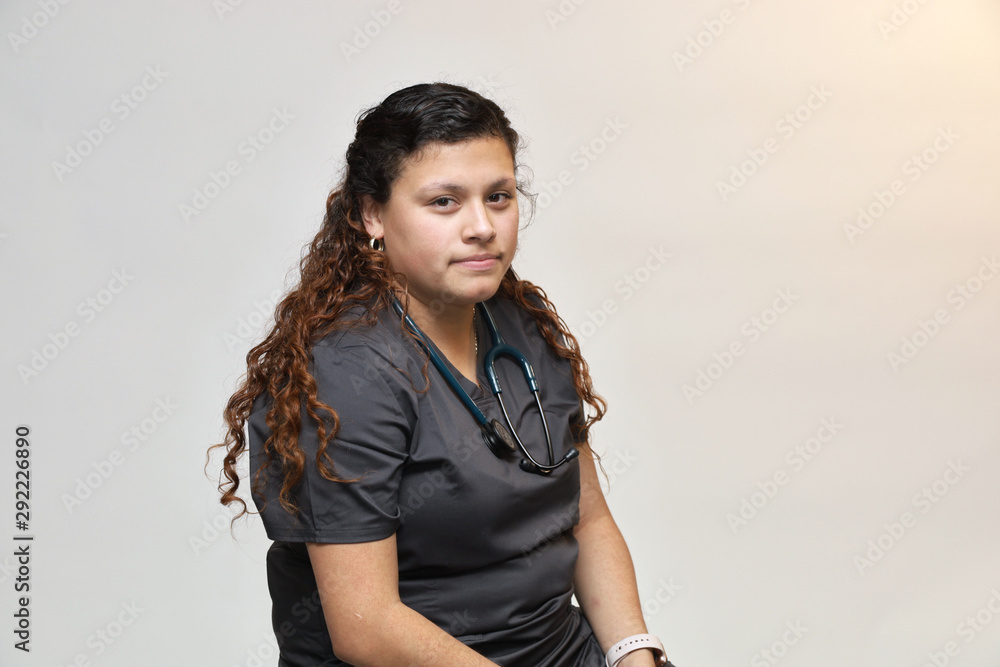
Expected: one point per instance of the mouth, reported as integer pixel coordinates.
(479, 262)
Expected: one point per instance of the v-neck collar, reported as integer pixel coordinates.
(475, 391)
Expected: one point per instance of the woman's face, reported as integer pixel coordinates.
(450, 225)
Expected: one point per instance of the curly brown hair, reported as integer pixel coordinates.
(340, 270)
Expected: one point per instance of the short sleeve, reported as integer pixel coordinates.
(371, 445)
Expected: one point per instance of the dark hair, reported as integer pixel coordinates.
(410, 119)
(340, 270)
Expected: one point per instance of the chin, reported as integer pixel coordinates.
(477, 293)
(489, 290)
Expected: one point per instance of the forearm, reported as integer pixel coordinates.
(401, 636)
(606, 587)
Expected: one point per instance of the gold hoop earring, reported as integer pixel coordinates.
(376, 244)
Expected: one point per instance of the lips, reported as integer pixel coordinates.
(478, 262)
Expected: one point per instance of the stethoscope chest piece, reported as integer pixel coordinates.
(498, 439)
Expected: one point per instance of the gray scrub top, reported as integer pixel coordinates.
(486, 550)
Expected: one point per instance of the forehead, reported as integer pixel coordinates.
(471, 160)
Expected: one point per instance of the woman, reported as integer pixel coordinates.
(415, 519)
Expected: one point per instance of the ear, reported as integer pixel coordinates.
(371, 214)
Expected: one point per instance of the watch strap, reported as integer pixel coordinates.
(634, 643)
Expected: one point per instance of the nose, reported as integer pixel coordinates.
(479, 224)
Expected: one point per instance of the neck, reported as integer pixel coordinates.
(450, 328)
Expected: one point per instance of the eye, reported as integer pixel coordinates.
(498, 197)
(441, 202)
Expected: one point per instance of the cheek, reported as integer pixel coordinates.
(415, 252)
(510, 228)
(407, 235)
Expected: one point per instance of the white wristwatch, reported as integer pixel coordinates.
(634, 643)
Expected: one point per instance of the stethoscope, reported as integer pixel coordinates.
(501, 441)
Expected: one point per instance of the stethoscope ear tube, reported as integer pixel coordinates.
(539, 469)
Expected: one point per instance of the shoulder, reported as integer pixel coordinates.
(365, 361)
(359, 327)
(367, 338)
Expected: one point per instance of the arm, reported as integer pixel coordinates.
(369, 625)
(604, 576)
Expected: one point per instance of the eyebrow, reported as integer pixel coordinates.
(453, 187)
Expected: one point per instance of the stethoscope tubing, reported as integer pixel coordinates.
(499, 348)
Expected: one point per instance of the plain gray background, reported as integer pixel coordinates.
(635, 113)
